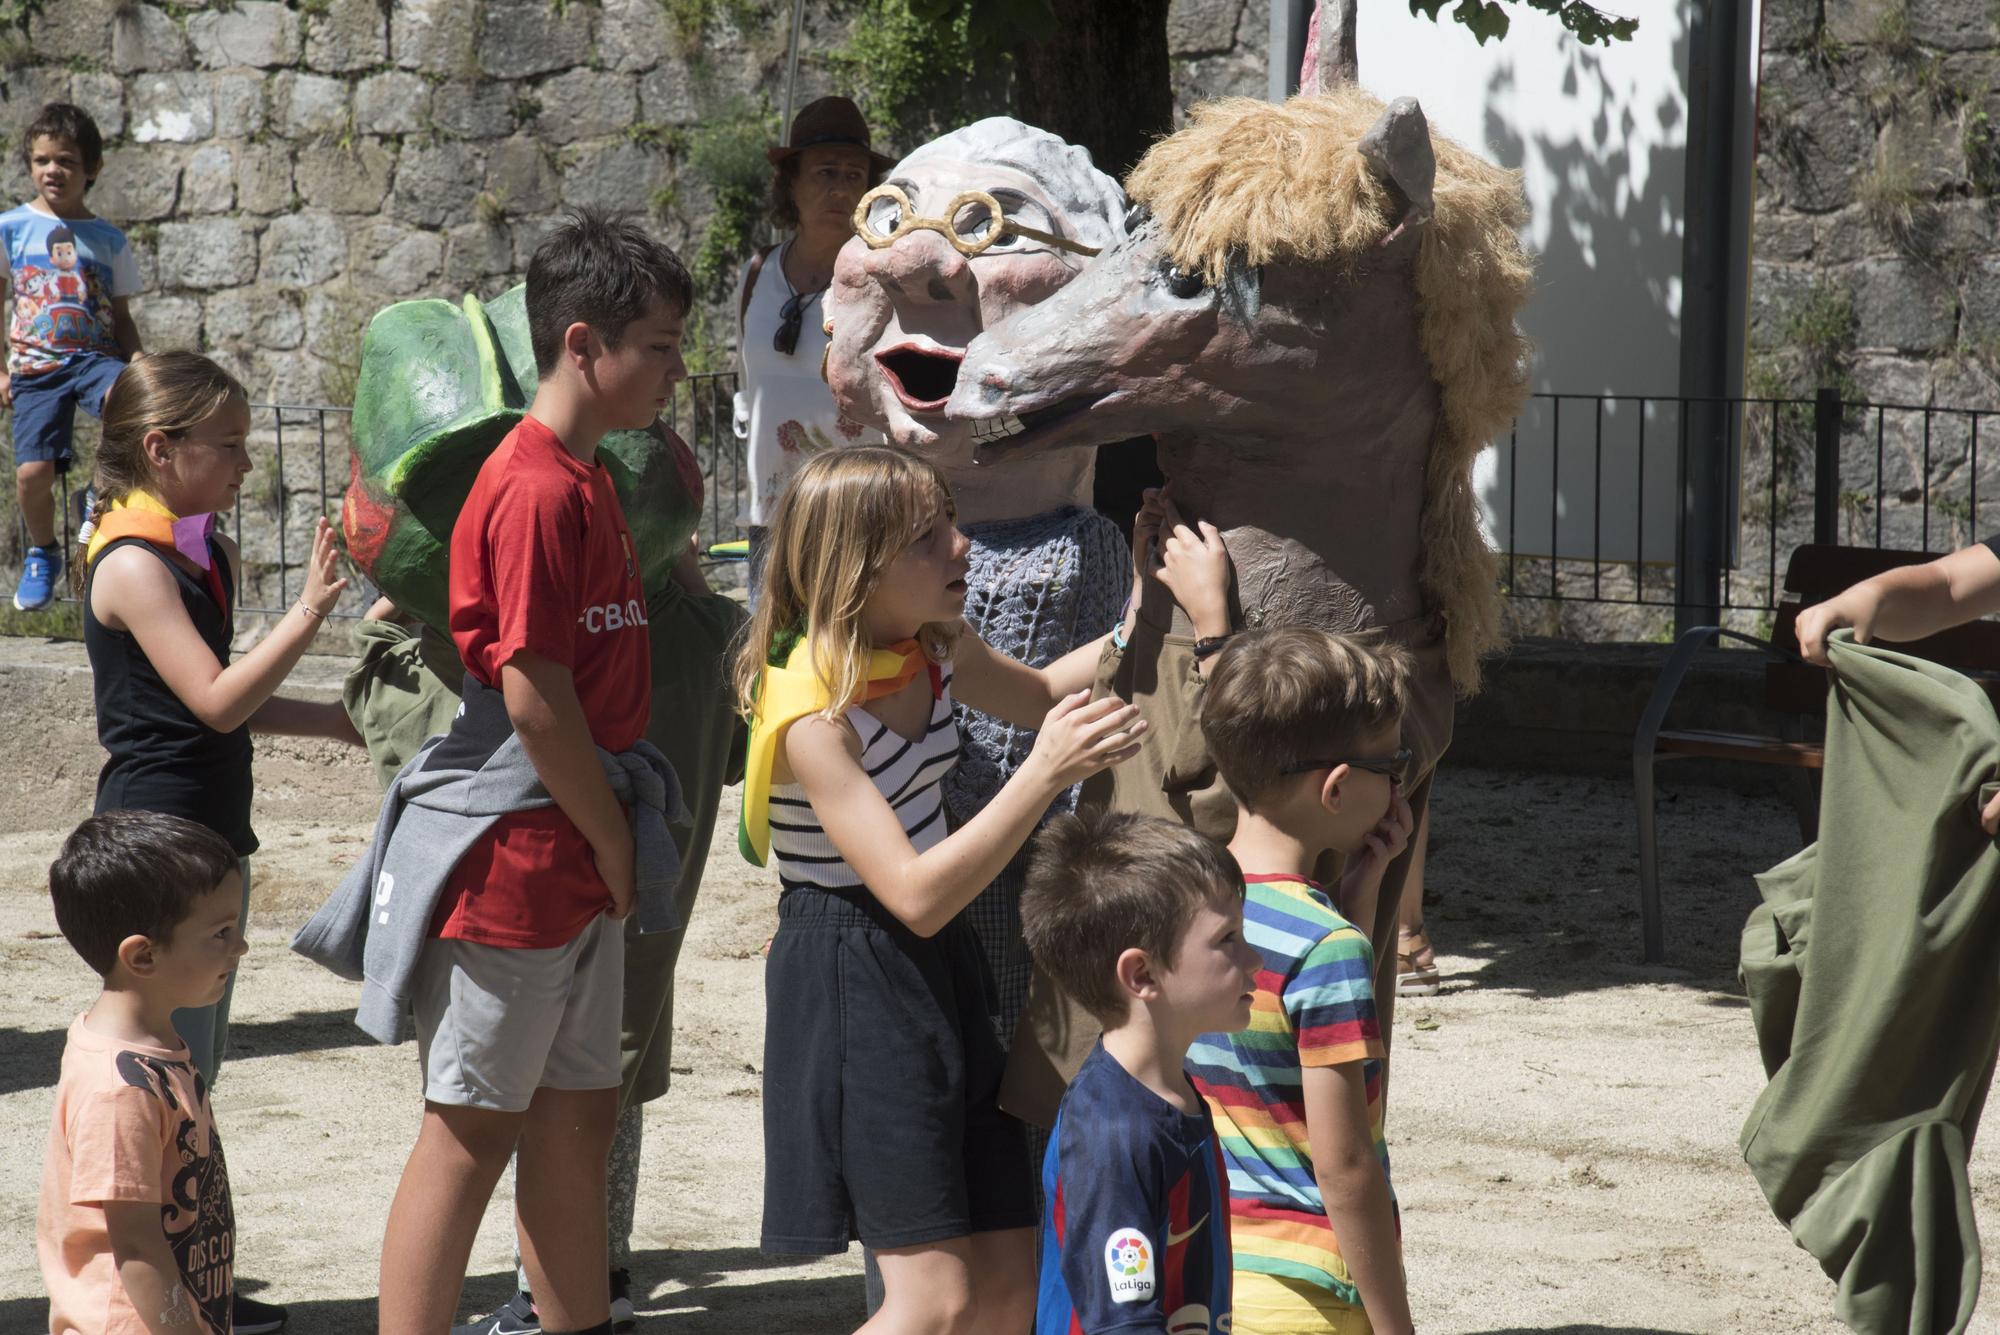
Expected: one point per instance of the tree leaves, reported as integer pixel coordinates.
(1488, 18)
(995, 23)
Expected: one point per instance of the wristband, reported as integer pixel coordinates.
(1211, 644)
(1118, 639)
(316, 616)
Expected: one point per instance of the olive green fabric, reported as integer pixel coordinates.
(1870, 969)
(402, 690)
(405, 688)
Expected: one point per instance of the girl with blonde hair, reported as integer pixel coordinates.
(881, 1064)
(158, 582)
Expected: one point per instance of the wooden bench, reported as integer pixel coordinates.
(1794, 690)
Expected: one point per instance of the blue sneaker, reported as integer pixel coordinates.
(37, 588)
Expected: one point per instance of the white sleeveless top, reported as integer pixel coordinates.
(907, 773)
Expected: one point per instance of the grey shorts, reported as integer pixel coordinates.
(496, 1024)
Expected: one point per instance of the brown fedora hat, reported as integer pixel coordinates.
(829, 120)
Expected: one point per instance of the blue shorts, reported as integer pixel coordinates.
(45, 405)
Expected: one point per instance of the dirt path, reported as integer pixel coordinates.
(1563, 1120)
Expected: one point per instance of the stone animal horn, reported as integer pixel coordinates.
(1398, 146)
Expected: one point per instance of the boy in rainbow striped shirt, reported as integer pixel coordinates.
(1305, 727)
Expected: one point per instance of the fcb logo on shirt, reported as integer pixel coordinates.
(1128, 1263)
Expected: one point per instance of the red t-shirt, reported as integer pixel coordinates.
(542, 562)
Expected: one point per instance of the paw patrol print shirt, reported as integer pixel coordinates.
(63, 274)
(1135, 1222)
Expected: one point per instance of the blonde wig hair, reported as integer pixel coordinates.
(1287, 182)
(847, 515)
(169, 392)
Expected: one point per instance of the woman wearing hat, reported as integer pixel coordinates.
(784, 411)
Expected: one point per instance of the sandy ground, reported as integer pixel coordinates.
(1563, 1120)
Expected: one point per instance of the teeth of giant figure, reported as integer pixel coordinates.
(998, 429)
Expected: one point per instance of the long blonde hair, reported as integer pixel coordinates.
(169, 392)
(847, 515)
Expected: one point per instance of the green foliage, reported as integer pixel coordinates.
(727, 154)
(690, 18)
(1488, 19)
(1890, 190)
(1981, 141)
(1892, 29)
(995, 23)
(912, 65)
(648, 135)
(526, 107)
(57, 621)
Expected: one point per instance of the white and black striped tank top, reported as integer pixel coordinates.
(907, 773)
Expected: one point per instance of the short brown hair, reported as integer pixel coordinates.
(132, 873)
(66, 120)
(1102, 883)
(601, 271)
(1286, 695)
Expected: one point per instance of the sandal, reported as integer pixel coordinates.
(1416, 965)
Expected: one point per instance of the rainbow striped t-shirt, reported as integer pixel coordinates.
(1315, 1006)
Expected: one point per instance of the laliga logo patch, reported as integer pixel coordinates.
(1128, 1261)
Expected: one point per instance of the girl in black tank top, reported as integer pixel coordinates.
(174, 715)
(158, 585)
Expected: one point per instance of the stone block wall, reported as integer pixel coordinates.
(286, 169)
(1876, 262)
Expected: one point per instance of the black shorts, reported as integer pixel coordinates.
(881, 1074)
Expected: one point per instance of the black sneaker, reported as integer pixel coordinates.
(250, 1317)
(623, 1318)
(515, 1317)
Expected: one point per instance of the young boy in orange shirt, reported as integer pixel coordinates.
(135, 1228)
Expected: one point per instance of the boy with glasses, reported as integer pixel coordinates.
(1305, 728)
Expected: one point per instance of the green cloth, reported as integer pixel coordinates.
(402, 691)
(1870, 968)
(405, 689)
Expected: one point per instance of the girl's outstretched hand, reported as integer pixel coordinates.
(1081, 736)
(324, 583)
(1194, 565)
(1386, 841)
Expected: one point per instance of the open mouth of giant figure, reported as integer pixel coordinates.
(922, 377)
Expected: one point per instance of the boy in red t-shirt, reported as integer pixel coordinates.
(517, 996)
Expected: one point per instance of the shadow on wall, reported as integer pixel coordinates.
(1606, 207)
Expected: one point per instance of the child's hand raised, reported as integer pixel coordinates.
(1195, 568)
(324, 583)
(1386, 842)
(1081, 736)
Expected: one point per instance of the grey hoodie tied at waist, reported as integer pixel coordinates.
(450, 793)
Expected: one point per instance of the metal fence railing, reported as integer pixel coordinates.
(1598, 506)
(1588, 495)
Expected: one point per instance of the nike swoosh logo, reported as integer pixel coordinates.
(1176, 1239)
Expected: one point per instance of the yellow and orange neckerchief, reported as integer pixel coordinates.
(789, 690)
(140, 514)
